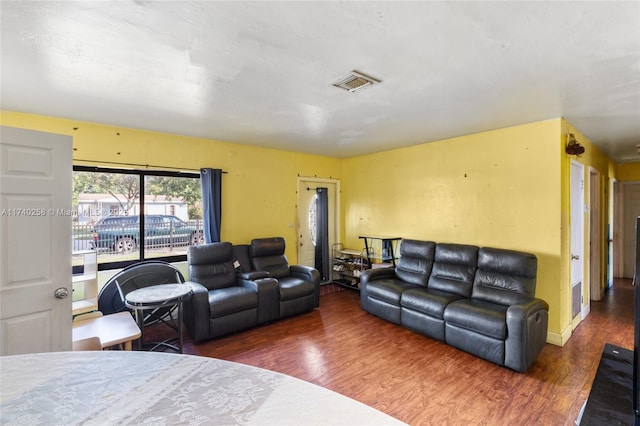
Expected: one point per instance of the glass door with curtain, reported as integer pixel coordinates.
(314, 246)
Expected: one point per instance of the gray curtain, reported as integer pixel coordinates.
(322, 234)
(211, 184)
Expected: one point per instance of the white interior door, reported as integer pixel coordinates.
(631, 212)
(306, 192)
(35, 241)
(577, 236)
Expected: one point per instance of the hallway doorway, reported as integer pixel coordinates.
(626, 199)
(308, 238)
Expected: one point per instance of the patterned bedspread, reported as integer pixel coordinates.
(147, 388)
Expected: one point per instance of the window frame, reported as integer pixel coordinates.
(141, 174)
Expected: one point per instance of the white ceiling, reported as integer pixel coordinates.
(261, 73)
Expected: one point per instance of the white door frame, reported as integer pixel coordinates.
(595, 238)
(334, 222)
(577, 239)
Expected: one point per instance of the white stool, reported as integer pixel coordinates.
(113, 329)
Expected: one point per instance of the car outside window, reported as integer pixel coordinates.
(109, 203)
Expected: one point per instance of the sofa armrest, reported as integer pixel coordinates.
(268, 297)
(306, 273)
(310, 274)
(376, 274)
(259, 284)
(526, 333)
(253, 275)
(196, 311)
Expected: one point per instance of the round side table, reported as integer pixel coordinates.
(154, 297)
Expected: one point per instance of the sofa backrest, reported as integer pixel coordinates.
(454, 268)
(212, 265)
(241, 255)
(504, 276)
(416, 260)
(267, 254)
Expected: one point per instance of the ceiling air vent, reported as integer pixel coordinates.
(356, 81)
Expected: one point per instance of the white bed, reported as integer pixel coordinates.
(120, 387)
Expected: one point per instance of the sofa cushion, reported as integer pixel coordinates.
(454, 268)
(479, 316)
(504, 276)
(388, 290)
(416, 260)
(294, 288)
(427, 301)
(230, 300)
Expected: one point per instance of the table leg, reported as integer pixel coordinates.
(140, 321)
(139, 309)
(393, 256)
(366, 249)
(180, 325)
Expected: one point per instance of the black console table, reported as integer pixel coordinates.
(387, 253)
(610, 399)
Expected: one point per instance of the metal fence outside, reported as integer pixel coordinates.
(124, 239)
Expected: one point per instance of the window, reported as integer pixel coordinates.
(313, 224)
(131, 215)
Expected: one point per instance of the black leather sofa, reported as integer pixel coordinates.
(478, 299)
(299, 285)
(236, 287)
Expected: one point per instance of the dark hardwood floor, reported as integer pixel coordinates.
(421, 381)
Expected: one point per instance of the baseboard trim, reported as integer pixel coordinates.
(559, 339)
(586, 310)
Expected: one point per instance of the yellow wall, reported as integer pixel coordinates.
(628, 172)
(259, 191)
(506, 188)
(499, 188)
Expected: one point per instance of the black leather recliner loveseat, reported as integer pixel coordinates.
(480, 300)
(236, 287)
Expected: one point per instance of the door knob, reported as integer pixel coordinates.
(575, 257)
(61, 293)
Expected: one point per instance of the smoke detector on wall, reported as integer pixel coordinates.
(356, 81)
